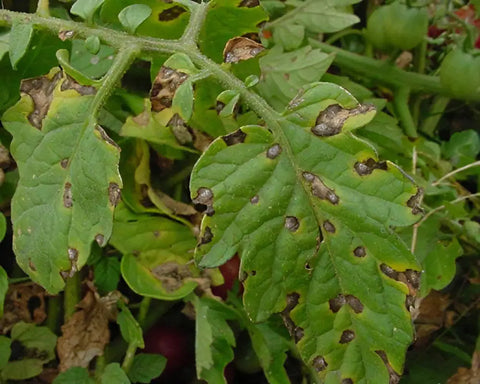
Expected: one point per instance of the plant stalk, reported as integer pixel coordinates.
(71, 296)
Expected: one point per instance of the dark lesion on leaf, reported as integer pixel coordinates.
(347, 336)
(415, 201)
(114, 194)
(73, 258)
(204, 201)
(207, 236)
(105, 137)
(359, 251)
(292, 302)
(347, 381)
(354, 303)
(164, 87)
(100, 240)
(331, 120)
(236, 137)
(171, 13)
(32, 265)
(319, 363)
(291, 223)
(241, 48)
(366, 167)
(319, 189)
(394, 376)
(67, 195)
(408, 277)
(389, 271)
(328, 226)
(249, 3)
(171, 275)
(298, 334)
(255, 199)
(64, 163)
(340, 300)
(70, 83)
(274, 151)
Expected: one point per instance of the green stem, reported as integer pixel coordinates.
(100, 365)
(143, 311)
(437, 108)
(199, 11)
(54, 311)
(339, 35)
(400, 102)
(71, 295)
(43, 8)
(129, 356)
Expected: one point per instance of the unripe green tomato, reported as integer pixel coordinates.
(460, 74)
(396, 26)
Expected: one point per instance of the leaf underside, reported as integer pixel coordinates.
(69, 181)
(311, 211)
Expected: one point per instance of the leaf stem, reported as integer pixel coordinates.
(43, 8)
(455, 171)
(143, 310)
(341, 34)
(197, 17)
(400, 102)
(129, 356)
(71, 295)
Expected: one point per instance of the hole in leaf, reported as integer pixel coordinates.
(236, 137)
(368, 166)
(255, 199)
(67, 195)
(308, 267)
(274, 151)
(331, 120)
(203, 202)
(354, 303)
(415, 201)
(171, 13)
(347, 336)
(291, 223)
(360, 252)
(336, 303)
(329, 227)
(319, 363)
(394, 376)
(114, 194)
(207, 236)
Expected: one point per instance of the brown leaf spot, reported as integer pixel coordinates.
(65, 35)
(64, 163)
(67, 195)
(337, 302)
(292, 302)
(249, 3)
(388, 271)
(331, 120)
(105, 137)
(291, 223)
(415, 201)
(164, 87)
(241, 48)
(360, 252)
(255, 199)
(308, 267)
(72, 254)
(40, 89)
(411, 279)
(354, 303)
(171, 275)
(394, 376)
(319, 189)
(236, 137)
(204, 201)
(274, 151)
(347, 336)
(114, 194)
(100, 239)
(347, 381)
(253, 273)
(86, 333)
(329, 227)
(319, 363)
(171, 13)
(368, 166)
(468, 376)
(207, 236)
(70, 83)
(31, 265)
(298, 334)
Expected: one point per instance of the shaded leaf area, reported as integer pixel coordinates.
(69, 182)
(146, 367)
(156, 254)
(214, 340)
(167, 19)
(311, 16)
(77, 375)
(311, 212)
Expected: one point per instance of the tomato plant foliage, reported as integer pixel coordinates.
(158, 140)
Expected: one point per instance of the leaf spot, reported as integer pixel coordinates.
(319, 363)
(368, 166)
(32, 265)
(67, 195)
(105, 137)
(298, 334)
(100, 239)
(253, 273)
(415, 201)
(347, 336)
(241, 48)
(394, 376)
(329, 227)
(331, 120)
(360, 252)
(171, 13)
(207, 236)
(236, 137)
(70, 83)
(255, 199)
(274, 151)
(64, 163)
(319, 189)
(249, 3)
(171, 275)
(72, 254)
(164, 87)
(347, 381)
(292, 302)
(354, 303)
(308, 267)
(389, 271)
(114, 194)
(204, 201)
(336, 303)
(291, 223)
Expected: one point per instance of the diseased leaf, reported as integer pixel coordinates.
(39, 339)
(146, 367)
(131, 331)
(20, 36)
(75, 375)
(133, 16)
(22, 369)
(64, 198)
(113, 373)
(283, 74)
(310, 211)
(213, 339)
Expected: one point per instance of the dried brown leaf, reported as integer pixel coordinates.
(164, 86)
(241, 48)
(431, 316)
(468, 376)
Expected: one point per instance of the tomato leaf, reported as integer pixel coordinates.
(20, 36)
(133, 16)
(130, 329)
(75, 375)
(146, 367)
(113, 373)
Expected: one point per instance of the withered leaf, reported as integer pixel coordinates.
(86, 333)
(241, 48)
(468, 376)
(172, 275)
(164, 86)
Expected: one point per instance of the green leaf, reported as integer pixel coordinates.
(310, 210)
(92, 44)
(22, 369)
(183, 101)
(90, 64)
(146, 367)
(289, 36)
(86, 8)
(64, 199)
(133, 16)
(113, 373)
(4, 44)
(75, 375)
(107, 274)
(40, 339)
(20, 36)
(213, 339)
(151, 245)
(5, 351)
(3, 288)
(227, 19)
(3, 225)
(131, 331)
(463, 147)
(283, 74)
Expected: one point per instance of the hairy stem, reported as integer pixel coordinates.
(71, 295)
(42, 8)
(400, 102)
(190, 36)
